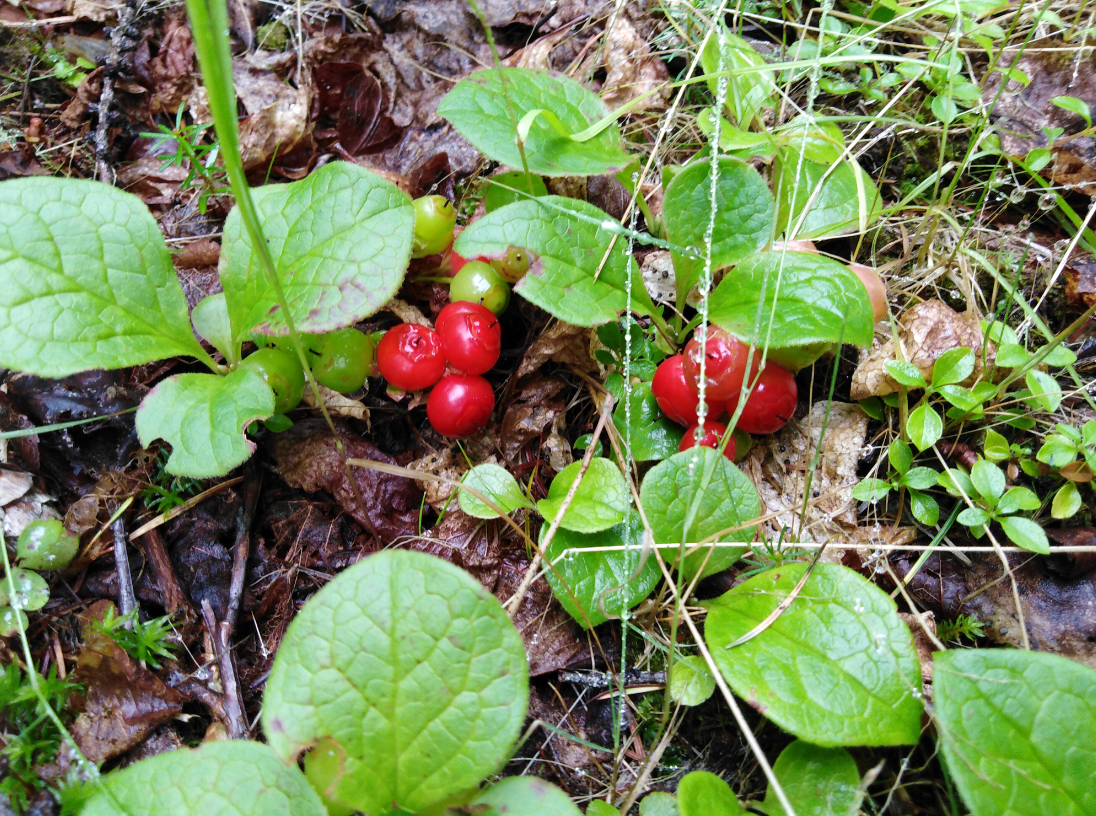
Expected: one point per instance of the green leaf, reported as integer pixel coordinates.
(480, 108)
(900, 456)
(906, 374)
(599, 807)
(748, 92)
(567, 240)
(12, 621)
(413, 668)
(837, 667)
(953, 366)
(700, 793)
(988, 480)
(1045, 389)
(1026, 533)
(1074, 105)
(31, 590)
(1067, 501)
(525, 796)
(44, 544)
(601, 502)
(506, 188)
(229, 778)
(743, 221)
(920, 478)
(924, 508)
(1018, 498)
(1057, 452)
(498, 485)
(924, 426)
(845, 200)
(996, 448)
(1017, 730)
(871, 490)
(741, 144)
(340, 240)
(1011, 355)
(701, 482)
(1060, 356)
(603, 583)
(962, 398)
(659, 804)
(643, 429)
(210, 319)
(952, 479)
(817, 781)
(85, 280)
(998, 332)
(973, 517)
(203, 417)
(798, 303)
(690, 681)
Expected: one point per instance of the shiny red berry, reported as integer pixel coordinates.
(460, 405)
(725, 366)
(713, 432)
(676, 395)
(410, 357)
(470, 337)
(772, 402)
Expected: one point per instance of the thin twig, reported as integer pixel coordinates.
(250, 498)
(127, 601)
(120, 43)
(235, 721)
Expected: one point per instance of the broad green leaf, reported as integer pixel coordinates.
(601, 502)
(988, 480)
(1060, 356)
(973, 517)
(498, 485)
(659, 803)
(31, 590)
(797, 303)
(228, 778)
(340, 240)
(643, 430)
(1026, 533)
(746, 93)
(924, 508)
(953, 366)
(999, 333)
(843, 201)
(1057, 452)
(920, 478)
(1011, 355)
(506, 188)
(953, 479)
(837, 667)
(702, 483)
(1047, 392)
(904, 373)
(604, 583)
(12, 621)
(996, 448)
(691, 683)
(743, 221)
(210, 319)
(1067, 501)
(962, 398)
(871, 490)
(817, 142)
(1018, 498)
(44, 544)
(1018, 731)
(817, 781)
(704, 794)
(567, 240)
(599, 807)
(486, 107)
(924, 426)
(525, 796)
(1074, 105)
(413, 668)
(85, 280)
(203, 417)
(900, 456)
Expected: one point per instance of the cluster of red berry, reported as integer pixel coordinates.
(676, 387)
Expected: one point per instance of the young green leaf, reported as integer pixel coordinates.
(233, 778)
(413, 668)
(31, 590)
(599, 807)
(988, 480)
(924, 507)
(953, 366)
(498, 485)
(643, 429)
(747, 92)
(741, 144)
(900, 456)
(871, 490)
(797, 303)
(953, 479)
(524, 796)
(85, 280)
(743, 216)
(552, 109)
(603, 583)
(1018, 498)
(973, 517)
(845, 200)
(12, 621)
(924, 426)
(690, 683)
(1074, 105)
(701, 793)
(996, 448)
(723, 496)
(817, 781)
(1045, 390)
(920, 478)
(340, 239)
(210, 319)
(837, 667)
(1025, 533)
(1017, 730)
(659, 803)
(601, 502)
(1060, 356)
(203, 417)
(1011, 355)
(1067, 501)
(906, 374)
(1057, 451)
(567, 239)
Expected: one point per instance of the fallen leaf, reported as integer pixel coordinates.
(633, 70)
(439, 495)
(1080, 277)
(560, 343)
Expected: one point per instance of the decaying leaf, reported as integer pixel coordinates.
(926, 331)
(561, 343)
(530, 415)
(439, 495)
(337, 404)
(632, 70)
(1080, 277)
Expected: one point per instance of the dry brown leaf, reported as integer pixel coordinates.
(13, 484)
(439, 495)
(560, 343)
(632, 70)
(1080, 275)
(405, 312)
(171, 73)
(337, 404)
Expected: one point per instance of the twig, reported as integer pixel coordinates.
(235, 721)
(172, 596)
(120, 43)
(250, 498)
(127, 601)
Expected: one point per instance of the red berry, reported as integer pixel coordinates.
(470, 337)
(724, 369)
(410, 357)
(713, 432)
(676, 395)
(771, 403)
(460, 405)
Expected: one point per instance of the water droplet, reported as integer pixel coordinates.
(1048, 201)
(1025, 223)
(1061, 246)
(1018, 195)
(858, 607)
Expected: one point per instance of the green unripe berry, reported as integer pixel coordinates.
(478, 282)
(282, 372)
(345, 360)
(513, 266)
(435, 218)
